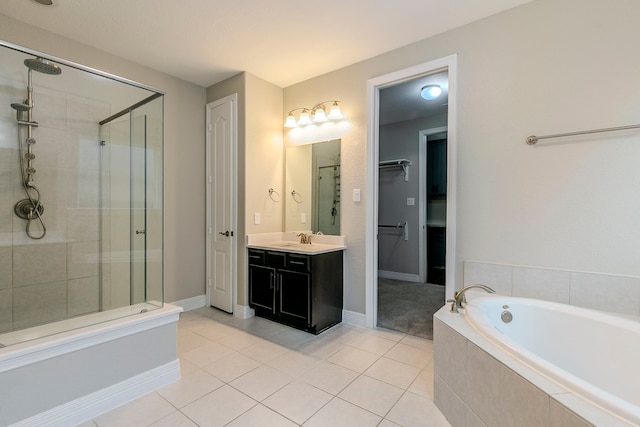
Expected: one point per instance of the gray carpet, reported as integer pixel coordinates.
(408, 306)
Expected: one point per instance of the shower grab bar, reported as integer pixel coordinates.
(534, 139)
(404, 226)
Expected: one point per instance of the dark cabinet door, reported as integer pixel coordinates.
(437, 167)
(262, 292)
(294, 292)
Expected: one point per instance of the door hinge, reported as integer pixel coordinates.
(210, 230)
(210, 127)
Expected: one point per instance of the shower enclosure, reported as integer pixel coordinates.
(80, 196)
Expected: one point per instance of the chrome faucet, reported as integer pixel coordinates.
(459, 298)
(304, 239)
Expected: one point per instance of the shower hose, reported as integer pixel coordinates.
(34, 213)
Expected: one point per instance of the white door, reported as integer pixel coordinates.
(221, 202)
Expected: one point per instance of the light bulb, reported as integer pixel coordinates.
(319, 115)
(291, 121)
(304, 119)
(335, 113)
(430, 92)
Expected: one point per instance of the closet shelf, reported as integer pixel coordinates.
(398, 163)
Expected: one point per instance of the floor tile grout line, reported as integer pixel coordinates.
(299, 348)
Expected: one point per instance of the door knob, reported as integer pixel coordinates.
(226, 233)
(141, 231)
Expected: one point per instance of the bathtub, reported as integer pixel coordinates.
(589, 361)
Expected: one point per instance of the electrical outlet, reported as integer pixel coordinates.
(411, 201)
(303, 218)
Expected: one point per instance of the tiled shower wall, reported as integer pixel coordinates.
(607, 292)
(56, 277)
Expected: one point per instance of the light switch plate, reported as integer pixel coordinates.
(256, 218)
(303, 218)
(411, 201)
(356, 194)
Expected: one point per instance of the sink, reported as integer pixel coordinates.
(295, 245)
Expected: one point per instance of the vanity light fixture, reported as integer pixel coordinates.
(430, 92)
(317, 114)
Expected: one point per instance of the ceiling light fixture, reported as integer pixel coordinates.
(317, 114)
(430, 92)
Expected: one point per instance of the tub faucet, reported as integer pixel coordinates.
(459, 298)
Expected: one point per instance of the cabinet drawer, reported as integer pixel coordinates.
(257, 257)
(297, 262)
(275, 259)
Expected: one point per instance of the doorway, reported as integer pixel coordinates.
(406, 231)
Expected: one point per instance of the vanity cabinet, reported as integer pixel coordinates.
(302, 291)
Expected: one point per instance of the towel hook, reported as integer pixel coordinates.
(275, 198)
(297, 197)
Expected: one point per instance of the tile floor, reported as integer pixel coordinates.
(255, 372)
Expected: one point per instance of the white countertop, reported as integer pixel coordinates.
(290, 242)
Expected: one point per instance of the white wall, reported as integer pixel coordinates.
(564, 204)
(264, 163)
(184, 151)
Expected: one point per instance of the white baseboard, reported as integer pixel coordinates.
(192, 303)
(90, 406)
(243, 311)
(394, 275)
(354, 318)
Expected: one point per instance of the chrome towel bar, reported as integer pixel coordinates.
(533, 139)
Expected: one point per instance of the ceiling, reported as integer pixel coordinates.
(281, 41)
(403, 101)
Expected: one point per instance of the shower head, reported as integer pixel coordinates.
(42, 66)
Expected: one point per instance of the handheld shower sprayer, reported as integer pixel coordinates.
(30, 209)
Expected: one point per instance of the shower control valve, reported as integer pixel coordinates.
(30, 156)
(31, 141)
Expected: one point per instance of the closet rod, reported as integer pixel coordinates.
(533, 139)
(400, 226)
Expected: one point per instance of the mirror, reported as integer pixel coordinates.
(312, 187)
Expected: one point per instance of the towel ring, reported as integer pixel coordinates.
(275, 198)
(297, 197)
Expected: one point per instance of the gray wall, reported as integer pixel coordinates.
(184, 151)
(401, 141)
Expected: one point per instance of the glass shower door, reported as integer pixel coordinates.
(131, 223)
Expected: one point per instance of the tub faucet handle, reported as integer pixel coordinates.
(454, 307)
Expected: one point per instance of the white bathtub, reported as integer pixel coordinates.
(593, 354)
